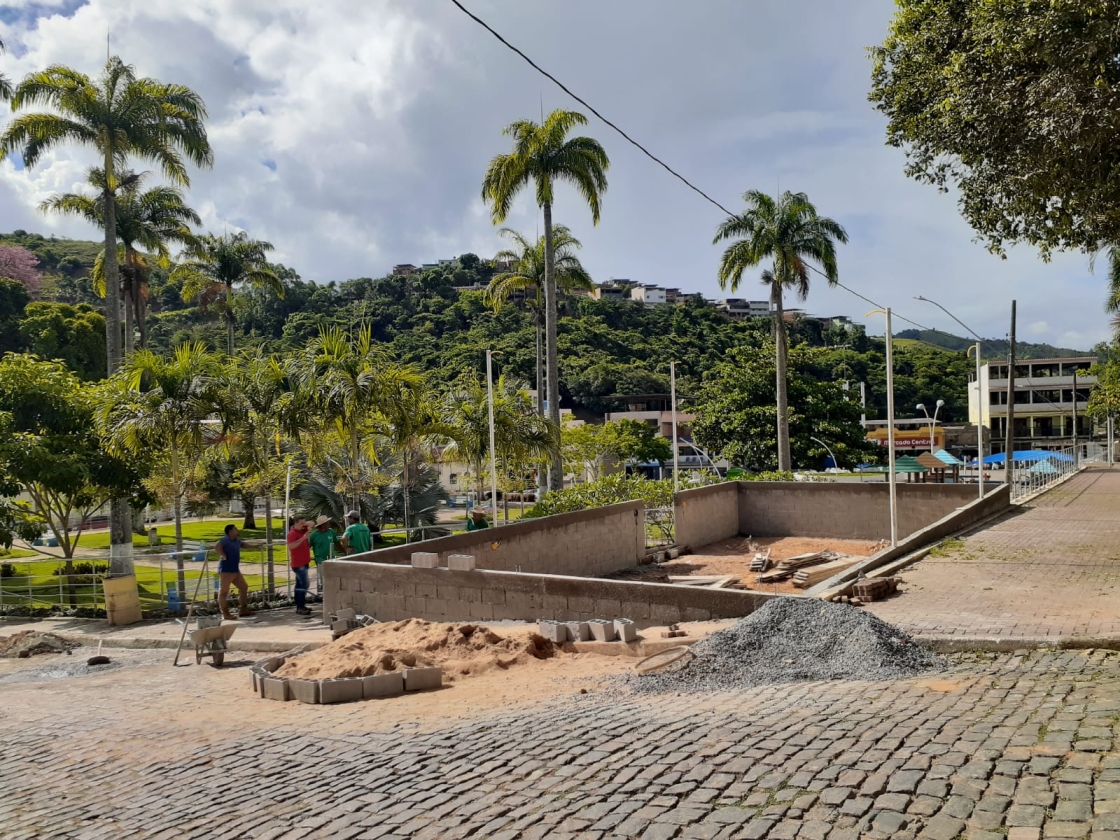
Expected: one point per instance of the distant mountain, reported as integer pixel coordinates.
(994, 348)
(66, 264)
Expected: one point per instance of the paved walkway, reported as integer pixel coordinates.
(1050, 570)
(1002, 748)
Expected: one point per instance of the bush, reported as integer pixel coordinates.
(84, 569)
(7, 570)
(609, 490)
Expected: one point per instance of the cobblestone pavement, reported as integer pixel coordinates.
(1051, 570)
(1015, 746)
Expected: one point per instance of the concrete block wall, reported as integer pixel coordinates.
(586, 543)
(392, 592)
(843, 510)
(707, 514)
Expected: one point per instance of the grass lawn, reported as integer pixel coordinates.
(209, 531)
(7, 555)
(514, 515)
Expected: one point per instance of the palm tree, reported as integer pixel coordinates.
(521, 436)
(156, 405)
(543, 155)
(526, 273)
(146, 219)
(5, 85)
(121, 117)
(789, 232)
(352, 385)
(213, 266)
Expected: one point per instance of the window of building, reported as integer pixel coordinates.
(1044, 427)
(997, 398)
(1047, 396)
(1022, 397)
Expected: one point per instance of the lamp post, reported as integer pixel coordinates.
(835, 463)
(676, 443)
(891, 480)
(932, 421)
(979, 395)
(493, 448)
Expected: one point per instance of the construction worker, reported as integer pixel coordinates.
(299, 555)
(324, 543)
(477, 520)
(356, 538)
(229, 571)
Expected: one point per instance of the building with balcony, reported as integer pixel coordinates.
(649, 296)
(738, 309)
(1048, 395)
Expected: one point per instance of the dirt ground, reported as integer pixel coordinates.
(733, 557)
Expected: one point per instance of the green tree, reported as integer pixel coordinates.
(735, 412)
(412, 417)
(789, 232)
(51, 451)
(5, 85)
(73, 334)
(120, 117)
(157, 405)
(588, 448)
(146, 219)
(13, 305)
(1010, 105)
(641, 442)
(214, 267)
(543, 155)
(1104, 401)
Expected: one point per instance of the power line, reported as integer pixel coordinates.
(650, 154)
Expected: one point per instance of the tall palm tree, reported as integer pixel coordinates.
(121, 117)
(146, 219)
(157, 405)
(213, 266)
(543, 155)
(5, 85)
(788, 231)
(352, 385)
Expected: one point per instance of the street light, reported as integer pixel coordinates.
(835, 463)
(493, 449)
(932, 421)
(891, 481)
(979, 398)
(676, 442)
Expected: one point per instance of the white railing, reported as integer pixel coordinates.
(1031, 477)
(49, 591)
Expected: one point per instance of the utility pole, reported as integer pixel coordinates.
(676, 443)
(1009, 445)
(863, 405)
(1075, 458)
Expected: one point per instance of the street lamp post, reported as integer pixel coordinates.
(835, 463)
(676, 442)
(493, 448)
(979, 396)
(932, 421)
(891, 478)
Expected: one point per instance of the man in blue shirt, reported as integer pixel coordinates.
(229, 570)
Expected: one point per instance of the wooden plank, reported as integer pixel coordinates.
(694, 578)
(724, 581)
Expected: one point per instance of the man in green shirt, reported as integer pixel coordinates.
(477, 520)
(356, 539)
(324, 545)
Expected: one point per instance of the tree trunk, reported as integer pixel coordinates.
(180, 572)
(404, 494)
(249, 522)
(120, 515)
(552, 372)
(139, 300)
(542, 471)
(354, 468)
(139, 526)
(229, 333)
(271, 574)
(129, 305)
(781, 353)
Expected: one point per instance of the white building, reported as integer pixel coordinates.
(739, 310)
(650, 296)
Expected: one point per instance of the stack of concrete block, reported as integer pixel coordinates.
(425, 560)
(344, 690)
(461, 562)
(597, 629)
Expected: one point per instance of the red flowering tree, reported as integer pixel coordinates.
(19, 264)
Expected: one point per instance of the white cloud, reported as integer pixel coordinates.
(354, 135)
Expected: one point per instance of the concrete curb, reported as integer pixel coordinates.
(1009, 644)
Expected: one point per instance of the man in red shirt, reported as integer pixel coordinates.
(299, 553)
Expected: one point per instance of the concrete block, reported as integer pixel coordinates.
(341, 691)
(579, 631)
(493, 596)
(602, 630)
(344, 624)
(383, 685)
(343, 614)
(581, 604)
(554, 631)
(275, 688)
(626, 630)
(425, 560)
(482, 611)
(421, 679)
(461, 562)
(305, 691)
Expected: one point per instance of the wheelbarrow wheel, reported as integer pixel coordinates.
(219, 657)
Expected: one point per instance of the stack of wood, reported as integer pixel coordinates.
(812, 575)
(761, 561)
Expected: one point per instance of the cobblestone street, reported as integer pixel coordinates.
(1016, 746)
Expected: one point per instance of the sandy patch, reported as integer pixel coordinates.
(461, 649)
(31, 643)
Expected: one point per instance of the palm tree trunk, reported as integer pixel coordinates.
(229, 321)
(404, 494)
(271, 577)
(781, 357)
(354, 467)
(249, 522)
(138, 298)
(129, 326)
(180, 573)
(542, 483)
(120, 515)
(556, 474)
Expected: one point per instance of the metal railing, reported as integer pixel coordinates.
(47, 591)
(1031, 477)
(660, 526)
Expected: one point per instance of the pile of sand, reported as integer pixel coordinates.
(462, 650)
(31, 643)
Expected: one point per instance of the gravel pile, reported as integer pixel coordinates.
(796, 640)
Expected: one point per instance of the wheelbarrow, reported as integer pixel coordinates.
(210, 639)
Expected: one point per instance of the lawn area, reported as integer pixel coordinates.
(208, 531)
(514, 514)
(7, 555)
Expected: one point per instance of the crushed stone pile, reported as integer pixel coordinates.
(796, 640)
(31, 643)
(462, 650)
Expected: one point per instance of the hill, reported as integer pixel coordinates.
(994, 348)
(66, 264)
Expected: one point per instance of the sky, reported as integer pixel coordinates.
(353, 135)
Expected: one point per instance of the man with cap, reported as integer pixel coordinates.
(324, 545)
(356, 538)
